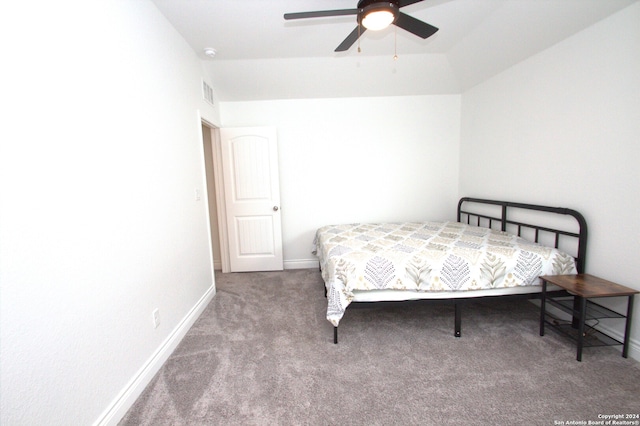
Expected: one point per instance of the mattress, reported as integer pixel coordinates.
(428, 259)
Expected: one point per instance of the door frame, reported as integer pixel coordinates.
(218, 190)
(220, 200)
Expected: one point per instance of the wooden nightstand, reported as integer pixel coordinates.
(582, 287)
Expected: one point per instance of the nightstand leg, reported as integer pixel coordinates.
(627, 327)
(583, 314)
(575, 321)
(543, 312)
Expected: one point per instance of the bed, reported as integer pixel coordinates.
(494, 249)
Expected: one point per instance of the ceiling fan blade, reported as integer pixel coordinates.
(415, 26)
(320, 14)
(403, 3)
(351, 38)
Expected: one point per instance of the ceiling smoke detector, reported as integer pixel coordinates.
(210, 52)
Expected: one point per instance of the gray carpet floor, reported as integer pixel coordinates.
(262, 353)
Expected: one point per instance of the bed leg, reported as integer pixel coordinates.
(458, 320)
(335, 335)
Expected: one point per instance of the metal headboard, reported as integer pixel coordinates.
(504, 220)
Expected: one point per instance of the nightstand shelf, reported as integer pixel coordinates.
(594, 310)
(591, 338)
(581, 288)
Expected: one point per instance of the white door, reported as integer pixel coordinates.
(252, 198)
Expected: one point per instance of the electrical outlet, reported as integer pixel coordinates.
(156, 318)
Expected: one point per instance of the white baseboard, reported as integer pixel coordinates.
(301, 264)
(128, 396)
(634, 345)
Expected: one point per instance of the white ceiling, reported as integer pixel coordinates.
(262, 56)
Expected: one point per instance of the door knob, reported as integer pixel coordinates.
(275, 208)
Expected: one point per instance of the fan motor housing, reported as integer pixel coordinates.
(364, 3)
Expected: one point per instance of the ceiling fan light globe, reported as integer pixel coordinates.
(378, 19)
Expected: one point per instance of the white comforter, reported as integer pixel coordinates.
(427, 257)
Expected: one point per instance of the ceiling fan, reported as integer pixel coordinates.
(373, 15)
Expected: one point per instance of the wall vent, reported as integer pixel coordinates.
(207, 93)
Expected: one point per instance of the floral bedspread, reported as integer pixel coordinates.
(427, 257)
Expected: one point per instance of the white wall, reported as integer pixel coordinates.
(358, 159)
(563, 128)
(101, 156)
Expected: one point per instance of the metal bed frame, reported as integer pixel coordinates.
(469, 212)
(504, 220)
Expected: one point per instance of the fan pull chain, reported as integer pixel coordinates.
(359, 38)
(395, 43)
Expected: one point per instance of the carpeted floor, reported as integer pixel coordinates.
(262, 354)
